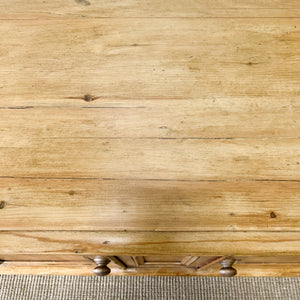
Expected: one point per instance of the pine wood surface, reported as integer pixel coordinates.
(151, 205)
(136, 243)
(149, 128)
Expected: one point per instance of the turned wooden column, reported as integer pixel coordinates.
(227, 270)
(102, 269)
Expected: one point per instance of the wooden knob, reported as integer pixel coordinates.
(227, 270)
(101, 269)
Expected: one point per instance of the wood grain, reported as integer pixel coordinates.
(159, 128)
(145, 9)
(164, 159)
(142, 205)
(12, 257)
(47, 268)
(268, 260)
(203, 119)
(150, 243)
(58, 62)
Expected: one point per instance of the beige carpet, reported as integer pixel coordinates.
(21, 287)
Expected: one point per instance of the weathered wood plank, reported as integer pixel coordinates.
(165, 159)
(149, 8)
(150, 243)
(226, 118)
(148, 205)
(58, 62)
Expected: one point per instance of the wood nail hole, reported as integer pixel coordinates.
(272, 215)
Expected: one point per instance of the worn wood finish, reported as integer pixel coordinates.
(43, 257)
(61, 61)
(85, 243)
(166, 9)
(152, 133)
(253, 159)
(72, 204)
(197, 118)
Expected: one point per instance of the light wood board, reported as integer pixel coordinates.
(153, 128)
(69, 204)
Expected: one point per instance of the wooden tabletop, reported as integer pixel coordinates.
(154, 127)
